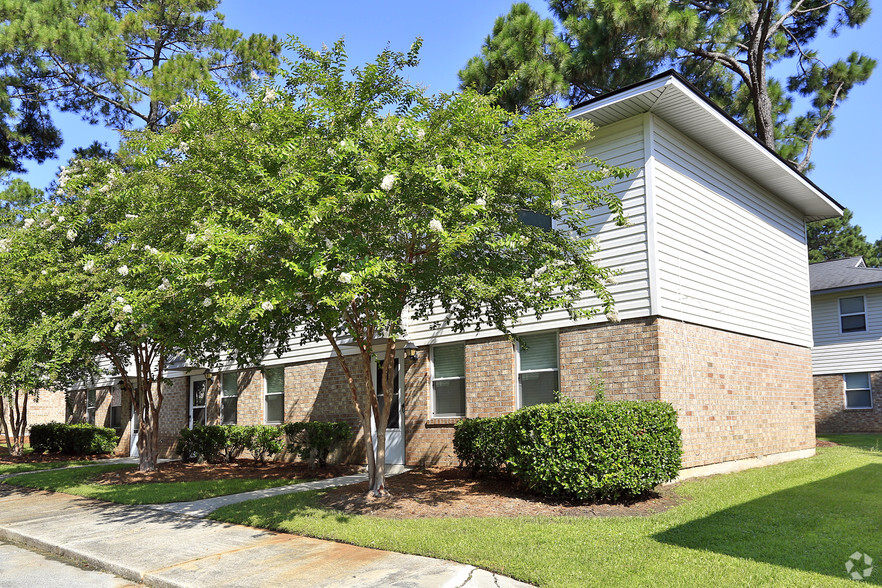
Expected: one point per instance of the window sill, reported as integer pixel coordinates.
(858, 408)
(444, 421)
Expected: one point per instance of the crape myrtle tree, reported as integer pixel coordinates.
(115, 281)
(329, 206)
(729, 49)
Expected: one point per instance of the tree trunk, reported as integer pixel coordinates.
(17, 422)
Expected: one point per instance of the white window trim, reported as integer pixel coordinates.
(432, 381)
(266, 421)
(190, 398)
(846, 390)
(841, 315)
(221, 394)
(518, 371)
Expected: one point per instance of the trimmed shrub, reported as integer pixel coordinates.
(480, 444)
(81, 439)
(588, 451)
(315, 440)
(264, 442)
(212, 443)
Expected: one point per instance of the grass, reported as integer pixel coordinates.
(794, 524)
(80, 482)
(15, 468)
(861, 440)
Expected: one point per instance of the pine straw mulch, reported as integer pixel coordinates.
(5, 458)
(176, 471)
(454, 493)
(822, 443)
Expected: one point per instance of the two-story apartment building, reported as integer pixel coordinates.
(847, 355)
(712, 296)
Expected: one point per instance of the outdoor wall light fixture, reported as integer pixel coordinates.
(410, 351)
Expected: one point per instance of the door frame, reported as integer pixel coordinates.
(398, 437)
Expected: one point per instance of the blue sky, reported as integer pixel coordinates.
(453, 31)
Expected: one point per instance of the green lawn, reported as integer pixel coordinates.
(794, 524)
(14, 468)
(861, 440)
(79, 481)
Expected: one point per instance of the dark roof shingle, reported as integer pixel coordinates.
(842, 273)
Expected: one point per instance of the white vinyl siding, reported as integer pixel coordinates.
(448, 381)
(730, 255)
(836, 352)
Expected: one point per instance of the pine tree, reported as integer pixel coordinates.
(837, 238)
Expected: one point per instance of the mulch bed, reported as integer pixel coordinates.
(5, 458)
(453, 493)
(821, 443)
(176, 471)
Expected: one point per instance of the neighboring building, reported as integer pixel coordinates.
(847, 356)
(713, 297)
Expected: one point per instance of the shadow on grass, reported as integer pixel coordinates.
(815, 527)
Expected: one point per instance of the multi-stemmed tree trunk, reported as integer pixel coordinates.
(14, 415)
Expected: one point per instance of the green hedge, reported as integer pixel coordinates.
(589, 451)
(314, 440)
(82, 439)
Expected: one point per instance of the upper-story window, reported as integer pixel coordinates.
(536, 219)
(852, 314)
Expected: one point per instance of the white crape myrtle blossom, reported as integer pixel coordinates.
(254, 75)
(207, 302)
(96, 338)
(4, 245)
(71, 235)
(269, 96)
(89, 267)
(421, 134)
(209, 283)
(104, 189)
(61, 219)
(613, 316)
(123, 270)
(131, 216)
(267, 305)
(28, 223)
(318, 272)
(369, 123)
(76, 314)
(165, 285)
(557, 203)
(255, 127)
(45, 223)
(59, 192)
(345, 278)
(117, 328)
(328, 243)
(280, 222)
(183, 147)
(435, 225)
(480, 202)
(44, 272)
(190, 237)
(127, 309)
(50, 228)
(612, 281)
(388, 182)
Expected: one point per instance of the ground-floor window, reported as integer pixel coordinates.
(91, 405)
(115, 408)
(857, 391)
(274, 395)
(229, 398)
(198, 396)
(537, 369)
(448, 381)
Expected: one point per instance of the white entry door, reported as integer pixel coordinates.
(395, 425)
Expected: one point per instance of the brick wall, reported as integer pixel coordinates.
(737, 396)
(831, 416)
(48, 407)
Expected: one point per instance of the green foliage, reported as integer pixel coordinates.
(314, 440)
(524, 55)
(80, 439)
(590, 451)
(725, 48)
(213, 443)
(838, 238)
(264, 442)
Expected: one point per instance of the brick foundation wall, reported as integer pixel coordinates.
(831, 416)
(737, 396)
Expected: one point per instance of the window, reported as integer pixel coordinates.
(198, 395)
(537, 369)
(274, 395)
(229, 398)
(852, 316)
(115, 408)
(857, 391)
(448, 381)
(535, 219)
(91, 403)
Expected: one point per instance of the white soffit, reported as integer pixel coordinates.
(674, 101)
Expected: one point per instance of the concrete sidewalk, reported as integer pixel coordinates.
(170, 550)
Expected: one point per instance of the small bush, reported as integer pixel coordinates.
(480, 445)
(315, 440)
(82, 439)
(590, 451)
(213, 443)
(264, 442)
